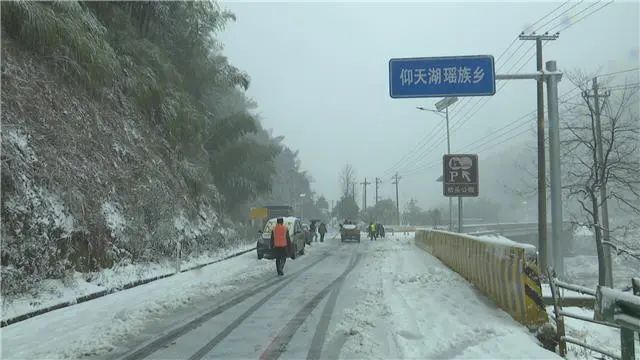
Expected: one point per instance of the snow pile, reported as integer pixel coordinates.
(501, 240)
(47, 209)
(583, 270)
(21, 142)
(424, 310)
(114, 220)
(94, 327)
(604, 337)
(582, 231)
(54, 292)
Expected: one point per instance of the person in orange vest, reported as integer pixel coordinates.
(280, 241)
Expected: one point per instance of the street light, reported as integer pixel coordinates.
(440, 105)
(302, 196)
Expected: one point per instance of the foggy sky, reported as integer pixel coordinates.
(319, 73)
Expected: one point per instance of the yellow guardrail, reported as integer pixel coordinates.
(506, 273)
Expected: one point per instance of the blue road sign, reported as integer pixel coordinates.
(442, 76)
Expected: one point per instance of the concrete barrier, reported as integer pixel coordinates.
(506, 272)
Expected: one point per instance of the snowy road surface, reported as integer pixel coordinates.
(373, 300)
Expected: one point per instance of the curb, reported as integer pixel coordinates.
(99, 294)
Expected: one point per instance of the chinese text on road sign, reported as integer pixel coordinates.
(442, 76)
(460, 175)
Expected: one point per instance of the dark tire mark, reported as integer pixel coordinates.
(160, 342)
(279, 343)
(216, 340)
(315, 350)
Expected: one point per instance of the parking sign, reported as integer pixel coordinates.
(460, 175)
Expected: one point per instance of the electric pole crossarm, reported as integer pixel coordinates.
(545, 36)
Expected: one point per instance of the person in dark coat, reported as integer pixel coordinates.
(322, 230)
(314, 234)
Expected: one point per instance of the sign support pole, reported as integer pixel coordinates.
(460, 214)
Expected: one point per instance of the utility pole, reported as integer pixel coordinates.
(378, 182)
(364, 185)
(396, 181)
(353, 191)
(603, 186)
(542, 186)
(558, 244)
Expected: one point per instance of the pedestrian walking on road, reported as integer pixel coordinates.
(322, 230)
(280, 241)
(314, 234)
(372, 231)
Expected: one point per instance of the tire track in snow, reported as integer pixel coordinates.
(315, 350)
(279, 343)
(155, 345)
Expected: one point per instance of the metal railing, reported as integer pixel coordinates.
(627, 346)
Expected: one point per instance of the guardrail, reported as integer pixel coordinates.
(507, 226)
(506, 272)
(613, 308)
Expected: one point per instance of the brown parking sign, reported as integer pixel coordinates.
(460, 175)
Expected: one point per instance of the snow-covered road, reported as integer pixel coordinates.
(385, 299)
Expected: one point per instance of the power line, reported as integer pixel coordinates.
(423, 142)
(521, 122)
(619, 72)
(427, 143)
(562, 13)
(457, 125)
(551, 12)
(461, 105)
(586, 16)
(622, 87)
(467, 116)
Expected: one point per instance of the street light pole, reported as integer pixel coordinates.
(446, 102)
(302, 196)
(449, 152)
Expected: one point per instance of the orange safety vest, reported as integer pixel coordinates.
(280, 236)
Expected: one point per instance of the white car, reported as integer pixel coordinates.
(296, 233)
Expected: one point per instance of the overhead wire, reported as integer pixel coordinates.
(461, 122)
(428, 145)
(574, 22)
(474, 108)
(558, 16)
(552, 11)
(462, 104)
(522, 122)
(502, 131)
